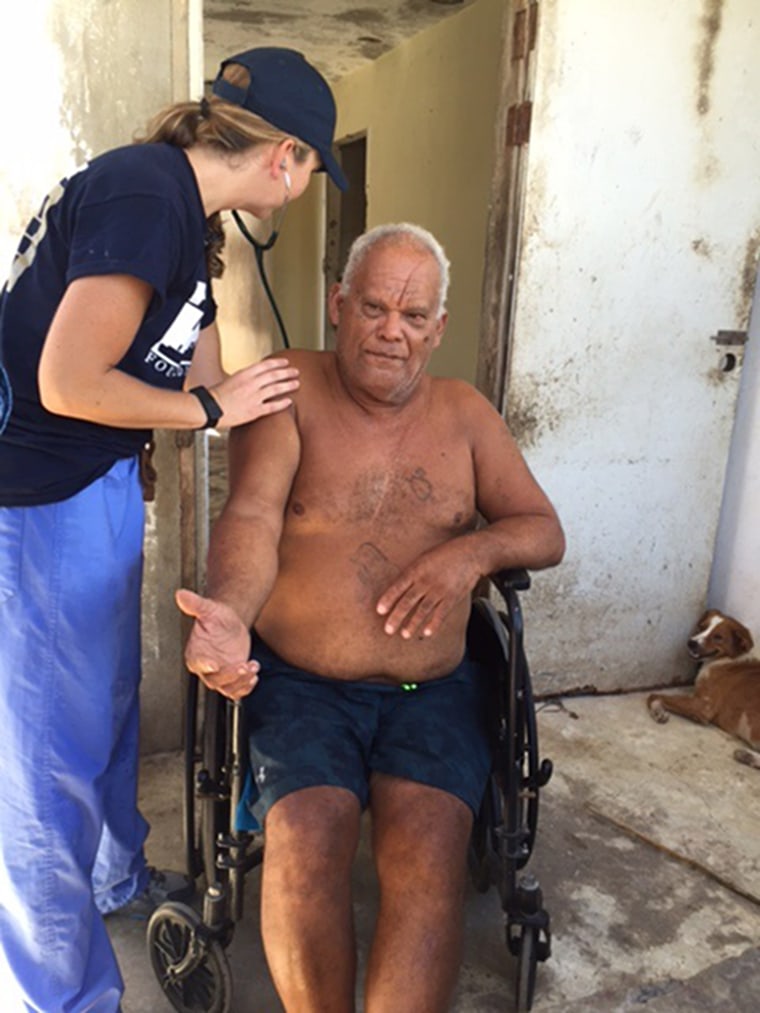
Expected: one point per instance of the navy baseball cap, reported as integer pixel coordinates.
(286, 91)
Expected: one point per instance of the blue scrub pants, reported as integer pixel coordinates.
(71, 837)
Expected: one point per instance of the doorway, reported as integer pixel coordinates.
(346, 215)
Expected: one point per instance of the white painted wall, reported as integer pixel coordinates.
(641, 227)
(38, 147)
(735, 580)
(78, 77)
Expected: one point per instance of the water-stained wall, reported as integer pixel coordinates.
(638, 257)
(81, 76)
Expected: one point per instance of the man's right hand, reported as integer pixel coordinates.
(218, 647)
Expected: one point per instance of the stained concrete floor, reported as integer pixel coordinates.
(648, 855)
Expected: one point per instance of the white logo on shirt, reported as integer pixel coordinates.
(172, 353)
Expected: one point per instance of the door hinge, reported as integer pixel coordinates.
(518, 124)
(524, 30)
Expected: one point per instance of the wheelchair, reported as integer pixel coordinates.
(186, 948)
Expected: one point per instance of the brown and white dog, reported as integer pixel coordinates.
(727, 689)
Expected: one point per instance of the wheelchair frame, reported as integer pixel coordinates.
(187, 948)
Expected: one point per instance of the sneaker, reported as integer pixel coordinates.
(162, 886)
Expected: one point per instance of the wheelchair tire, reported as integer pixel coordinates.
(190, 966)
(190, 816)
(532, 772)
(214, 814)
(482, 855)
(479, 867)
(526, 968)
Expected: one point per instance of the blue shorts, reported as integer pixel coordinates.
(306, 730)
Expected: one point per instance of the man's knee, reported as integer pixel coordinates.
(419, 832)
(312, 828)
(419, 806)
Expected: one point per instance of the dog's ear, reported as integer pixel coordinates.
(742, 639)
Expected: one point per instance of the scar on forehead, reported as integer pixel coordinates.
(407, 290)
(423, 260)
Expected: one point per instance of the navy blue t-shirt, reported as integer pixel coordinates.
(137, 211)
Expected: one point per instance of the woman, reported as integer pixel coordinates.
(107, 332)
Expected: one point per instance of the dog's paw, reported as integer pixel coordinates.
(747, 757)
(656, 710)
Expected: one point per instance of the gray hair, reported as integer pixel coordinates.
(399, 233)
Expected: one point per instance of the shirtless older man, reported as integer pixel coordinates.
(351, 544)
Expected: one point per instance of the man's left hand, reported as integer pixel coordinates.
(422, 596)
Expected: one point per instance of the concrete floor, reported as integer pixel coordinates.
(648, 855)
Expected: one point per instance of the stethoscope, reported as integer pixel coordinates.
(259, 249)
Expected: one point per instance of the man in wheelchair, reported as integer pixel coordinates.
(340, 575)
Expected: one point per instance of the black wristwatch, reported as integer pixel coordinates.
(210, 406)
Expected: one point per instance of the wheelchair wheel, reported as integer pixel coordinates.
(190, 814)
(482, 854)
(534, 776)
(190, 965)
(478, 864)
(214, 806)
(205, 784)
(526, 968)
(206, 794)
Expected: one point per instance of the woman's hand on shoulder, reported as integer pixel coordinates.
(256, 391)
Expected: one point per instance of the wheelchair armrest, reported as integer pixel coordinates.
(518, 579)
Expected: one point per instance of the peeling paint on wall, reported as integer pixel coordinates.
(711, 24)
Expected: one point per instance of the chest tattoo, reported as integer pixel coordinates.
(420, 485)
